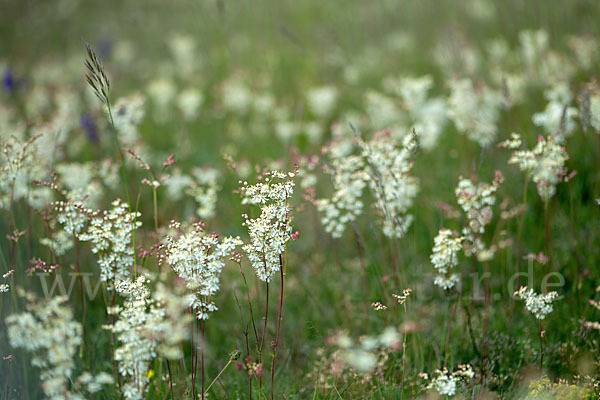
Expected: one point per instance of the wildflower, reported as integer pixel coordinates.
(539, 305)
(474, 111)
(189, 101)
(198, 259)
(402, 297)
(322, 100)
(393, 188)
(346, 204)
(111, 234)
(133, 329)
(445, 258)
(377, 306)
(204, 189)
(558, 115)
(476, 201)
(545, 164)
(446, 383)
(47, 329)
(269, 232)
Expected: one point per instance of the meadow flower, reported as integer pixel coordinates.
(269, 232)
(198, 258)
(110, 233)
(394, 189)
(539, 305)
(189, 102)
(558, 116)
(137, 320)
(322, 100)
(446, 383)
(544, 164)
(47, 330)
(128, 113)
(534, 45)
(477, 201)
(445, 257)
(474, 111)
(402, 297)
(346, 203)
(204, 189)
(377, 306)
(427, 115)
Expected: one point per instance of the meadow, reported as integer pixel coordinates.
(299, 200)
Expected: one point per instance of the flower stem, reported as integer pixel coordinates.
(276, 347)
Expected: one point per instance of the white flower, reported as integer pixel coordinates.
(269, 232)
(445, 258)
(539, 305)
(322, 100)
(544, 164)
(50, 333)
(394, 189)
(111, 234)
(475, 112)
(198, 258)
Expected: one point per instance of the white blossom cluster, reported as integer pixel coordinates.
(136, 322)
(173, 328)
(394, 189)
(474, 111)
(446, 383)
(559, 116)
(111, 234)
(385, 168)
(128, 113)
(322, 100)
(539, 305)
(198, 258)
(426, 114)
(204, 189)
(445, 257)
(362, 354)
(47, 329)
(147, 325)
(477, 201)
(269, 232)
(544, 164)
(345, 205)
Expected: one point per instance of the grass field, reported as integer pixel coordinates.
(406, 196)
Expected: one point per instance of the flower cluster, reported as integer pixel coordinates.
(270, 232)
(345, 205)
(477, 201)
(111, 234)
(133, 329)
(445, 257)
(48, 330)
(402, 297)
(544, 164)
(446, 383)
(198, 258)
(539, 305)
(393, 188)
(474, 111)
(558, 115)
(377, 306)
(204, 189)
(4, 287)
